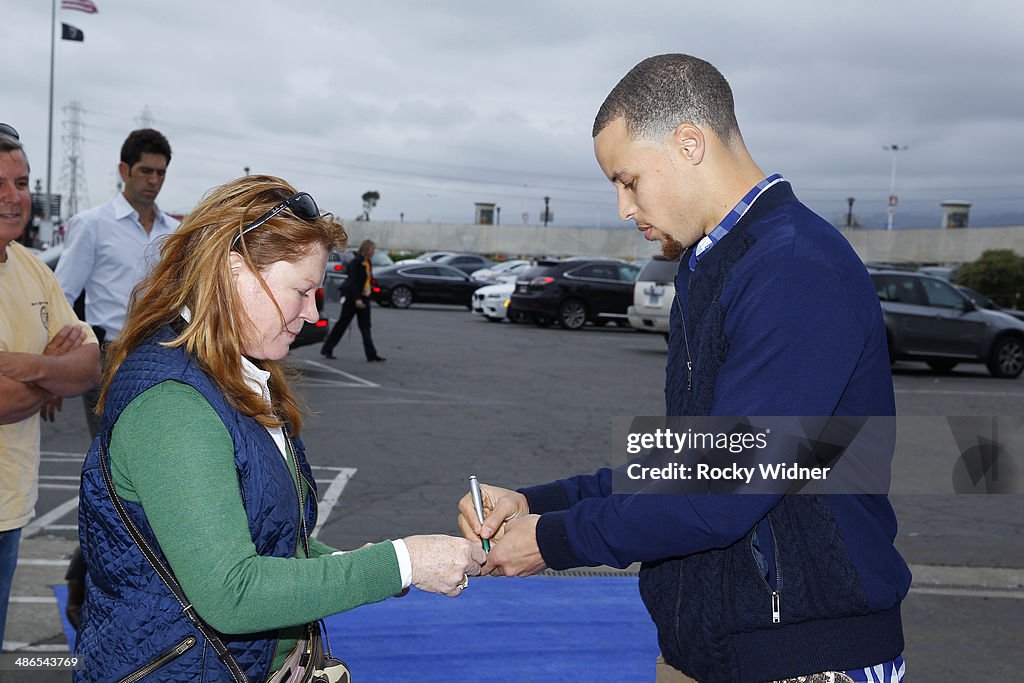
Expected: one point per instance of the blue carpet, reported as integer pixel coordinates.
(535, 629)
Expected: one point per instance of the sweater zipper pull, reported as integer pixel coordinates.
(776, 608)
(689, 376)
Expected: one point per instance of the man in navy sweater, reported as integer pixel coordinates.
(775, 315)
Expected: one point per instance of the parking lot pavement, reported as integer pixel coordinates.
(395, 442)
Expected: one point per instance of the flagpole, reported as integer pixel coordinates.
(46, 229)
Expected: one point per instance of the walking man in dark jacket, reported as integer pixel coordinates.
(775, 316)
(355, 303)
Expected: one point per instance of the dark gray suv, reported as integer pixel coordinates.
(928, 319)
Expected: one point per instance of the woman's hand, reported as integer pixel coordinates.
(442, 564)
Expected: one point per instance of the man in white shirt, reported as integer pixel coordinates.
(45, 352)
(110, 248)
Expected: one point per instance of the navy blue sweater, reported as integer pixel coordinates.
(781, 319)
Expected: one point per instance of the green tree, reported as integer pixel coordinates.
(998, 274)
(370, 200)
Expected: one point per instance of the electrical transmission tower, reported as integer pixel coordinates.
(145, 119)
(73, 171)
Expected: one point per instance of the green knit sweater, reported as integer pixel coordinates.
(171, 453)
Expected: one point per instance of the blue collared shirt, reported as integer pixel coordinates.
(731, 219)
(107, 253)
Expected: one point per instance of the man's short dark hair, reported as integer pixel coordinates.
(661, 92)
(144, 141)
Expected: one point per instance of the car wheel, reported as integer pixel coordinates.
(572, 314)
(942, 365)
(401, 297)
(1007, 358)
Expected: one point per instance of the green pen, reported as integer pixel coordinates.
(478, 504)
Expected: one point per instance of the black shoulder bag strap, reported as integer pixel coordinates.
(165, 574)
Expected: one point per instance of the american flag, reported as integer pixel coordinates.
(87, 6)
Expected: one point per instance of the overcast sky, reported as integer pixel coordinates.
(440, 105)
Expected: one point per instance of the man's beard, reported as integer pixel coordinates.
(672, 248)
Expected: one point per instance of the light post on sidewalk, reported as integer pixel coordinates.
(892, 181)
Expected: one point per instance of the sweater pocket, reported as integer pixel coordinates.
(764, 548)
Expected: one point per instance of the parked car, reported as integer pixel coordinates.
(492, 301)
(930, 320)
(574, 292)
(406, 283)
(336, 262)
(984, 302)
(467, 263)
(313, 333)
(653, 295)
(431, 256)
(506, 271)
(945, 272)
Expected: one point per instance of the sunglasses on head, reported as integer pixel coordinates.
(301, 204)
(7, 129)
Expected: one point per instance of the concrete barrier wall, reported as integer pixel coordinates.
(898, 246)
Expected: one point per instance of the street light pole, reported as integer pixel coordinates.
(892, 181)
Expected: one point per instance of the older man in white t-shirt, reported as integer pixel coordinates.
(45, 352)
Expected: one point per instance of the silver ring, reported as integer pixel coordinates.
(465, 582)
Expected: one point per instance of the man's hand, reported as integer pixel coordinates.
(360, 303)
(70, 337)
(500, 505)
(50, 409)
(517, 553)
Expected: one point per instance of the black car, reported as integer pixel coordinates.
(574, 292)
(403, 284)
(930, 320)
(467, 263)
(313, 333)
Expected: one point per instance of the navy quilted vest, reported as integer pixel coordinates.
(131, 620)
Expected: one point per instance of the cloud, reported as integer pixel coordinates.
(440, 105)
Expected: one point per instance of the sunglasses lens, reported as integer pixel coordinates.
(304, 206)
(8, 130)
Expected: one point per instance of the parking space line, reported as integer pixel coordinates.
(359, 381)
(41, 563)
(44, 520)
(967, 592)
(947, 392)
(15, 646)
(33, 599)
(332, 495)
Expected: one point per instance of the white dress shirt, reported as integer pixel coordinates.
(107, 253)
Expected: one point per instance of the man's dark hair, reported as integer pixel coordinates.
(661, 92)
(144, 141)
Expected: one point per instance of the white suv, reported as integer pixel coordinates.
(653, 295)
